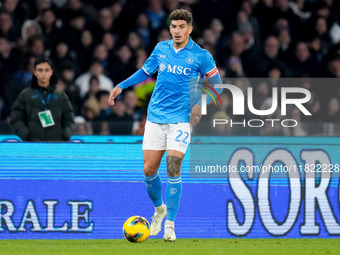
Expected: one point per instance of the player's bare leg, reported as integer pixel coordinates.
(173, 192)
(152, 160)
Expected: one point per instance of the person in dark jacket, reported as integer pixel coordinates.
(41, 112)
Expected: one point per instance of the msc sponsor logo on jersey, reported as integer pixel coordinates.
(175, 69)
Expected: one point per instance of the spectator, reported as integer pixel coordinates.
(316, 51)
(120, 122)
(73, 8)
(7, 27)
(36, 47)
(251, 44)
(96, 69)
(51, 27)
(9, 57)
(29, 29)
(93, 89)
(332, 113)
(40, 6)
(123, 64)
(163, 35)
(321, 31)
(19, 10)
(249, 18)
(130, 100)
(155, 14)
(282, 11)
(313, 105)
(134, 42)
(302, 64)
(82, 126)
(286, 51)
(10, 86)
(91, 107)
(234, 65)
(218, 29)
(102, 97)
(142, 28)
(25, 73)
(73, 29)
(101, 55)
(62, 55)
(334, 67)
(104, 25)
(41, 112)
(84, 50)
(265, 15)
(109, 41)
(208, 42)
(67, 75)
(327, 90)
(298, 130)
(301, 8)
(269, 56)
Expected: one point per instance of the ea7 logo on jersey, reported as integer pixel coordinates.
(178, 69)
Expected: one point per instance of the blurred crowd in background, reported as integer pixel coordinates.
(94, 45)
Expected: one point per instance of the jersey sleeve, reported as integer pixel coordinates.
(208, 65)
(151, 64)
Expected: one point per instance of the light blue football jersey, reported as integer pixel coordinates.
(170, 101)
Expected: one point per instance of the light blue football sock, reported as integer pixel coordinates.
(153, 185)
(173, 195)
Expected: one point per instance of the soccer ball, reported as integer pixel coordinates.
(136, 229)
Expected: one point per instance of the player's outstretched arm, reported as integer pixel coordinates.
(113, 94)
(196, 114)
(134, 79)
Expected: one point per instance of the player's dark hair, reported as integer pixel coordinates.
(181, 14)
(43, 60)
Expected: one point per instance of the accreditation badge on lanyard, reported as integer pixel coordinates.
(45, 117)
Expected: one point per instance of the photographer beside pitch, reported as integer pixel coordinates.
(178, 61)
(42, 112)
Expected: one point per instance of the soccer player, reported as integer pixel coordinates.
(178, 61)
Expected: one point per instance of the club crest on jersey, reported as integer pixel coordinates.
(189, 60)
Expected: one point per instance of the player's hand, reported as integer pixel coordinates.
(113, 94)
(195, 114)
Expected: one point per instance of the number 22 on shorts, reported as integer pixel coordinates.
(182, 136)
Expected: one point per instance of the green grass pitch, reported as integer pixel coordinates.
(181, 246)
